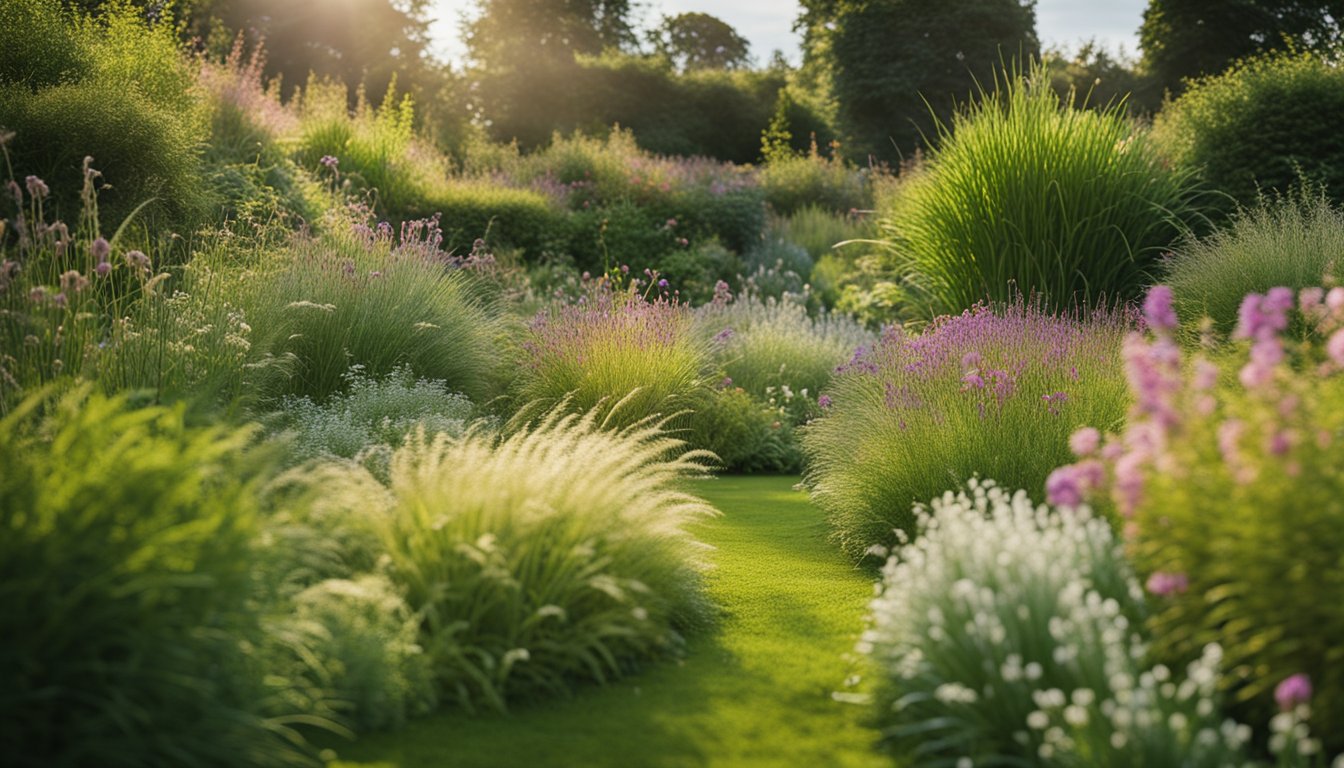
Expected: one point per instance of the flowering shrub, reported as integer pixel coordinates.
(614, 352)
(553, 555)
(746, 434)
(993, 391)
(1008, 633)
(1227, 477)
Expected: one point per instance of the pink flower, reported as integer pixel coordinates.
(1164, 584)
(100, 249)
(1158, 310)
(1064, 488)
(102, 269)
(1206, 375)
(1334, 300)
(1334, 348)
(1084, 442)
(824, 401)
(37, 188)
(1294, 690)
(1263, 317)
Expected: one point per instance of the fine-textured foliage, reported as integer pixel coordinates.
(127, 563)
(1009, 634)
(746, 434)
(1232, 489)
(1294, 241)
(1262, 125)
(798, 181)
(547, 557)
(994, 392)
(1027, 193)
(616, 353)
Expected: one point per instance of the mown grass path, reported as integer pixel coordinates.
(755, 691)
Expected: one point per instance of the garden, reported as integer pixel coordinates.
(633, 404)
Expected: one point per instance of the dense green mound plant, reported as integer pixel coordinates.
(1293, 241)
(1027, 193)
(1011, 634)
(126, 599)
(122, 93)
(555, 555)
(794, 181)
(615, 352)
(366, 296)
(746, 434)
(1263, 125)
(1228, 475)
(993, 391)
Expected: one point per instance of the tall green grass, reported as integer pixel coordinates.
(1026, 193)
(1294, 241)
(552, 556)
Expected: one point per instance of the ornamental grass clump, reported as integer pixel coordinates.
(1011, 634)
(993, 391)
(555, 555)
(127, 585)
(1027, 193)
(615, 353)
(1228, 478)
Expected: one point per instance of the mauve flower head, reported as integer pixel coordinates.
(1165, 584)
(662, 282)
(330, 161)
(102, 269)
(100, 249)
(824, 401)
(1294, 690)
(1334, 348)
(1085, 441)
(16, 192)
(73, 282)
(1334, 299)
(37, 188)
(137, 260)
(1158, 309)
(1064, 487)
(1262, 317)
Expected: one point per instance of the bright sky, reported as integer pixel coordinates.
(768, 24)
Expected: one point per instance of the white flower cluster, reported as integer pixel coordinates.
(1008, 631)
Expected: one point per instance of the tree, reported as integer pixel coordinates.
(895, 67)
(1186, 39)
(700, 41)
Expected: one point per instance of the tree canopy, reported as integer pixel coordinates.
(700, 41)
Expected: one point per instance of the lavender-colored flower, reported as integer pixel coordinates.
(1262, 317)
(73, 282)
(137, 260)
(1165, 584)
(330, 161)
(726, 383)
(1064, 487)
(37, 188)
(103, 269)
(723, 336)
(100, 249)
(1334, 348)
(662, 283)
(1085, 441)
(1294, 690)
(824, 401)
(1158, 310)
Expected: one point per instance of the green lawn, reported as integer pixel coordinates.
(755, 691)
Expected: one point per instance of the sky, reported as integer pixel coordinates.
(768, 24)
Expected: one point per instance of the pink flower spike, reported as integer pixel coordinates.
(1165, 584)
(1334, 348)
(1084, 442)
(1064, 487)
(1158, 309)
(1294, 690)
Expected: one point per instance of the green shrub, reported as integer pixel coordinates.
(1229, 477)
(132, 108)
(818, 231)
(1265, 124)
(614, 353)
(1293, 241)
(127, 590)
(502, 216)
(1027, 194)
(693, 272)
(358, 297)
(546, 558)
(746, 434)
(795, 182)
(39, 46)
(992, 391)
(1008, 634)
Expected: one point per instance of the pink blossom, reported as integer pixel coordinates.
(1064, 487)
(1165, 584)
(1334, 300)
(1334, 348)
(1158, 310)
(1294, 690)
(1084, 442)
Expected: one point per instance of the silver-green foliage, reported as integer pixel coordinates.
(551, 556)
(1011, 634)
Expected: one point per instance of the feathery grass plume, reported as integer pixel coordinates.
(553, 555)
(126, 603)
(365, 296)
(1011, 634)
(1027, 191)
(1228, 477)
(994, 391)
(615, 353)
(1292, 240)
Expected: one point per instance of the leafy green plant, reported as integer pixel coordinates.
(794, 182)
(1007, 633)
(127, 564)
(1264, 124)
(988, 391)
(746, 434)
(1292, 241)
(554, 555)
(1026, 193)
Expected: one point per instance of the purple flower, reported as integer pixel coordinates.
(100, 249)
(1084, 442)
(137, 260)
(1334, 348)
(726, 383)
(824, 401)
(1064, 488)
(662, 283)
(1294, 690)
(330, 161)
(723, 336)
(37, 188)
(1263, 317)
(1165, 584)
(102, 269)
(1158, 310)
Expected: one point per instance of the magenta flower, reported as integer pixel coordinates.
(824, 401)
(1165, 584)
(1084, 442)
(1064, 487)
(1294, 690)
(1158, 310)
